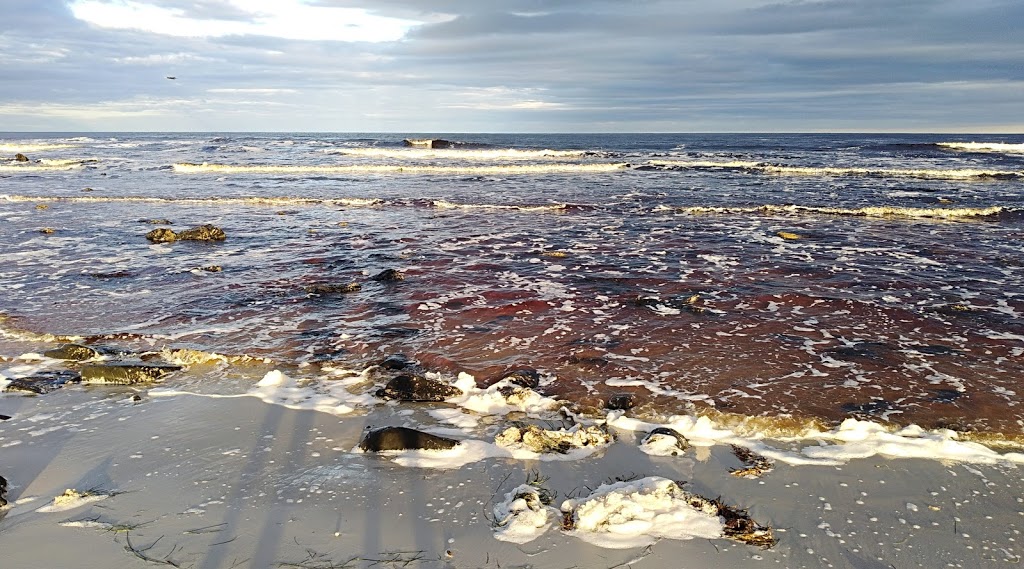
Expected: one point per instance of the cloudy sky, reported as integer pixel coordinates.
(512, 65)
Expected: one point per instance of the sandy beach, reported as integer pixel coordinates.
(203, 482)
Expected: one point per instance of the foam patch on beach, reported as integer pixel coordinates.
(852, 439)
(522, 516)
(276, 388)
(491, 400)
(72, 499)
(638, 513)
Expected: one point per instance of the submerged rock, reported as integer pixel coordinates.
(74, 352)
(525, 377)
(396, 362)
(44, 381)
(126, 373)
(333, 288)
(389, 276)
(621, 401)
(538, 440)
(415, 388)
(404, 438)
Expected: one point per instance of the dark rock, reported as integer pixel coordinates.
(212, 268)
(126, 373)
(334, 288)
(414, 388)
(112, 275)
(44, 381)
(869, 408)
(203, 233)
(621, 401)
(396, 362)
(200, 233)
(47, 231)
(403, 438)
(162, 235)
(525, 377)
(19, 157)
(946, 395)
(3, 491)
(682, 443)
(389, 276)
(4, 417)
(76, 352)
(428, 143)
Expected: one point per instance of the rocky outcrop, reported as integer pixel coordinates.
(538, 440)
(404, 438)
(3, 491)
(415, 388)
(126, 373)
(19, 157)
(44, 381)
(73, 352)
(200, 233)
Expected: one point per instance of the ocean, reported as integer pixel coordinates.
(774, 281)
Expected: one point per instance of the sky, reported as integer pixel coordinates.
(437, 66)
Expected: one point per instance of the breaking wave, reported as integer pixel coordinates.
(206, 168)
(1002, 147)
(932, 174)
(870, 211)
(431, 153)
(15, 147)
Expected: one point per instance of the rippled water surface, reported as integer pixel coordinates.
(812, 276)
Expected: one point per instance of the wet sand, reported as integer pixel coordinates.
(220, 483)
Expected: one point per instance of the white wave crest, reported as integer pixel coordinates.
(444, 204)
(425, 153)
(784, 170)
(205, 168)
(1003, 147)
(16, 147)
(870, 211)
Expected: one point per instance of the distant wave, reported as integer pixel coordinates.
(953, 174)
(15, 147)
(870, 211)
(427, 153)
(271, 201)
(444, 204)
(185, 168)
(42, 166)
(1001, 147)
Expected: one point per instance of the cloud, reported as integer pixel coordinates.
(444, 65)
(289, 19)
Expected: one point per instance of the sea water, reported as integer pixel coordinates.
(781, 281)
